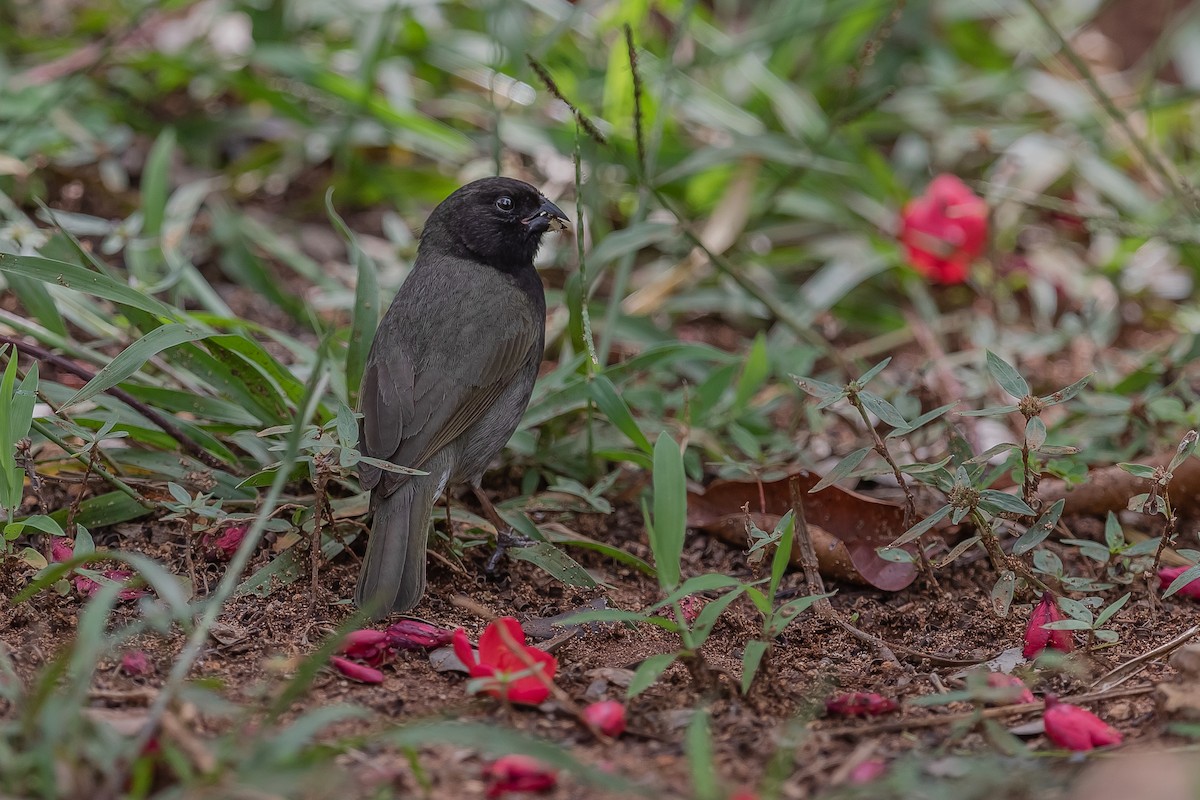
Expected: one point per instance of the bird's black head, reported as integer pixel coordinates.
(496, 221)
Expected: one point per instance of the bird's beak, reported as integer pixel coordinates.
(547, 217)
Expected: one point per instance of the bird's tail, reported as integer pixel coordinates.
(392, 577)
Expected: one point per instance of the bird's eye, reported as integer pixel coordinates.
(504, 203)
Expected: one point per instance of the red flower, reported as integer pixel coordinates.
(944, 230)
(607, 717)
(1037, 638)
(412, 634)
(355, 671)
(868, 771)
(225, 545)
(368, 646)
(61, 549)
(509, 668)
(1017, 691)
(859, 704)
(135, 663)
(1076, 728)
(1167, 576)
(517, 773)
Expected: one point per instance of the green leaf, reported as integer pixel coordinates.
(698, 746)
(882, 409)
(1063, 395)
(914, 533)
(105, 509)
(554, 561)
(155, 175)
(921, 421)
(134, 357)
(1186, 447)
(842, 469)
(21, 403)
(1035, 433)
(754, 373)
(366, 303)
(1112, 609)
(996, 501)
(1075, 610)
(38, 301)
(613, 406)
(820, 389)
(783, 551)
(752, 656)
(1002, 592)
(789, 611)
(1185, 577)
(1008, 378)
(648, 671)
(1040, 530)
(866, 377)
(1139, 470)
(1114, 537)
(81, 279)
(670, 510)
(711, 613)
(39, 522)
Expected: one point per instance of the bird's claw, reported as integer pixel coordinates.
(505, 540)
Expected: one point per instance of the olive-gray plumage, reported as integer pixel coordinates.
(450, 371)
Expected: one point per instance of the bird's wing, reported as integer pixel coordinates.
(412, 409)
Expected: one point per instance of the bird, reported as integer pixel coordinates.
(450, 373)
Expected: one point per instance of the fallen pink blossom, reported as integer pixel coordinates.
(867, 771)
(1037, 638)
(518, 773)
(135, 663)
(61, 550)
(860, 704)
(355, 671)
(369, 646)
(608, 717)
(1018, 691)
(412, 634)
(1076, 728)
(1167, 576)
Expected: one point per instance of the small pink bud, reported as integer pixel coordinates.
(867, 771)
(355, 671)
(1076, 728)
(367, 645)
(691, 606)
(1037, 638)
(860, 704)
(1167, 576)
(61, 550)
(744, 794)
(228, 542)
(608, 717)
(518, 773)
(412, 634)
(135, 664)
(88, 587)
(1017, 691)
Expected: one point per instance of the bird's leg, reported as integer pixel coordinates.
(506, 537)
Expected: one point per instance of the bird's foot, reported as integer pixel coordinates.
(505, 540)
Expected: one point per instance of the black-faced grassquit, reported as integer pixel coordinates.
(450, 371)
